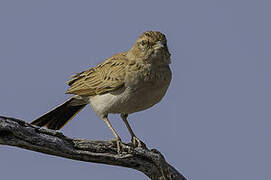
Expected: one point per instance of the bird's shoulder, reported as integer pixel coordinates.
(105, 77)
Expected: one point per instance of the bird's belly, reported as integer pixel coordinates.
(129, 100)
(142, 98)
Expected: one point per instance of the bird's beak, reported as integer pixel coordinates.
(159, 45)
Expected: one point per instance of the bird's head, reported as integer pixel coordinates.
(151, 47)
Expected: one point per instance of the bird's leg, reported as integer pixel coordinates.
(117, 138)
(135, 140)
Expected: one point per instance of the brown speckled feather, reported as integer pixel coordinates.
(106, 77)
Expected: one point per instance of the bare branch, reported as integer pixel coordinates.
(14, 132)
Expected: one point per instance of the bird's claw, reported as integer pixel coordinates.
(119, 144)
(137, 142)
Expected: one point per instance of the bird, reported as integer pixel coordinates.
(125, 83)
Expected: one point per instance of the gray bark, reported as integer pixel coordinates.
(14, 132)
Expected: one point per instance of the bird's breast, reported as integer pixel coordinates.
(145, 88)
(142, 90)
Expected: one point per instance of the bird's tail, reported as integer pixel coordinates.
(59, 116)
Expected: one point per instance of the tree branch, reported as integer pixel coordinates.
(14, 132)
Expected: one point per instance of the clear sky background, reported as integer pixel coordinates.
(214, 122)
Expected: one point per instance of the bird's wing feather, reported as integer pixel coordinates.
(106, 77)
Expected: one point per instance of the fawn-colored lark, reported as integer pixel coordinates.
(125, 83)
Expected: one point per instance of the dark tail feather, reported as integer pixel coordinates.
(58, 117)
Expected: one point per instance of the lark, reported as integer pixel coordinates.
(123, 84)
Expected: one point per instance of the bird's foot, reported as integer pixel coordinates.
(137, 142)
(119, 144)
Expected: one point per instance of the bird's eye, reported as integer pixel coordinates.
(143, 43)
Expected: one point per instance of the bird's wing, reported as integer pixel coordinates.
(106, 77)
